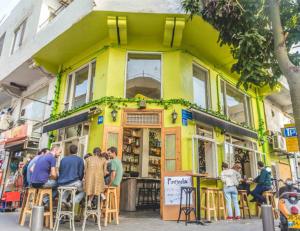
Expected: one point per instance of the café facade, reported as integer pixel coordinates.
(159, 88)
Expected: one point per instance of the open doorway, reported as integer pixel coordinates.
(141, 158)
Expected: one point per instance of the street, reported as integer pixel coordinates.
(8, 222)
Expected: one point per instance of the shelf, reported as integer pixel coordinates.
(154, 165)
(129, 162)
(154, 155)
(131, 153)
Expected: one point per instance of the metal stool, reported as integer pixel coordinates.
(244, 203)
(28, 203)
(188, 208)
(62, 213)
(92, 212)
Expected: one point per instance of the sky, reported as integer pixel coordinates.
(5, 7)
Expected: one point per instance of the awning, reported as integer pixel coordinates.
(227, 126)
(66, 122)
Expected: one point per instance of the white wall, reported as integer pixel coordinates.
(275, 117)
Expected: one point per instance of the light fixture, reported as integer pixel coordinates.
(142, 104)
(51, 137)
(174, 116)
(114, 113)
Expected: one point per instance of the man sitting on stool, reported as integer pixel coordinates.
(71, 171)
(264, 183)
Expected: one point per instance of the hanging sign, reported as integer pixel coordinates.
(186, 115)
(290, 134)
(100, 119)
(172, 188)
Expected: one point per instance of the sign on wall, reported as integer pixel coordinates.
(186, 115)
(172, 188)
(290, 134)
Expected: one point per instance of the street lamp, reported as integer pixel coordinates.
(174, 116)
(114, 113)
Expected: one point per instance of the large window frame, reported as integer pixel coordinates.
(70, 85)
(2, 39)
(207, 85)
(18, 36)
(246, 101)
(144, 53)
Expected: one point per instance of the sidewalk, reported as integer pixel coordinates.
(9, 222)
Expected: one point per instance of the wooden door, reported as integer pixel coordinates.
(113, 136)
(170, 168)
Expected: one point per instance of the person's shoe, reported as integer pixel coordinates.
(229, 218)
(237, 218)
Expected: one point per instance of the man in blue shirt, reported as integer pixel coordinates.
(71, 171)
(44, 173)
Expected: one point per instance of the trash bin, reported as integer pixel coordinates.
(37, 220)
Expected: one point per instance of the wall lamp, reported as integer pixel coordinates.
(174, 116)
(114, 114)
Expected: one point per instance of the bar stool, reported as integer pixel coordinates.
(111, 210)
(28, 203)
(62, 213)
(209, 203)
(269, 196)
(188, 208)
(92, 212)
(244, 203)
(221, 208)
(48, 215)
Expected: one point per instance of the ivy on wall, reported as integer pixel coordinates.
(119, 102)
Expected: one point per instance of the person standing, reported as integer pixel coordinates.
(95, 169)
(231, 179)
(116, 167)
(264, 183)
(71, 172)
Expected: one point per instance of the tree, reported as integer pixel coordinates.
(262, 36)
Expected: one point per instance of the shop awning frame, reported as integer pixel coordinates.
(66, 122)
(226, 126)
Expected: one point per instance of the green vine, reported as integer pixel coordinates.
(118, 102)
(56, 95)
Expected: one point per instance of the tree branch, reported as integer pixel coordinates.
(285, 64)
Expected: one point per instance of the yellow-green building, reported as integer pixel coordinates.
(158, 87)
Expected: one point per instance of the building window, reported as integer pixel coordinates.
(80, 86)
(143, 75)
(243, 152)
(19, 35)
(32, 109)
(201, 87)
(235, 104)
(2, 43)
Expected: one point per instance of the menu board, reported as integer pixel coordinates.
(172, 188)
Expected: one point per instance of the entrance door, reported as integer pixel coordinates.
(170, 167)
(113, 137)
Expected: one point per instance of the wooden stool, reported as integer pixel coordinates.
(244, 203)
(48, 215)
(111, 208)
(269, 196)
(28, 203)
(221, 208)
(209, 203)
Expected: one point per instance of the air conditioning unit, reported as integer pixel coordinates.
(279, 142)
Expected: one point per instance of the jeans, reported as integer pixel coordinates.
(231, 194)
(79, 196)
(258, 191)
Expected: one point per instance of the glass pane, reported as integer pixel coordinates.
(235, 105)
(170, 165)
(200, 87)
(202, 157)
(250, 118)
(112, 139)
(69, 85)
(80, 91)
(143, 75)
(222, 97)
(73, 131)
(33, 110)
(92, 88)
(170, 146)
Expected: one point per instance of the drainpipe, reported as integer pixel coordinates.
(261, 128)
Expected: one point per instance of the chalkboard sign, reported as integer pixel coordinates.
(172, 187)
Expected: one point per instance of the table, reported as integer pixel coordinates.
(198, 200)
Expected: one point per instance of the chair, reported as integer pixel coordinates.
(48, 215)
(29, 201)
(244, 203)
(111, 208)
(92, 212)
(208, 201)
(62, 213)
(188, 208)
(221, 208)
